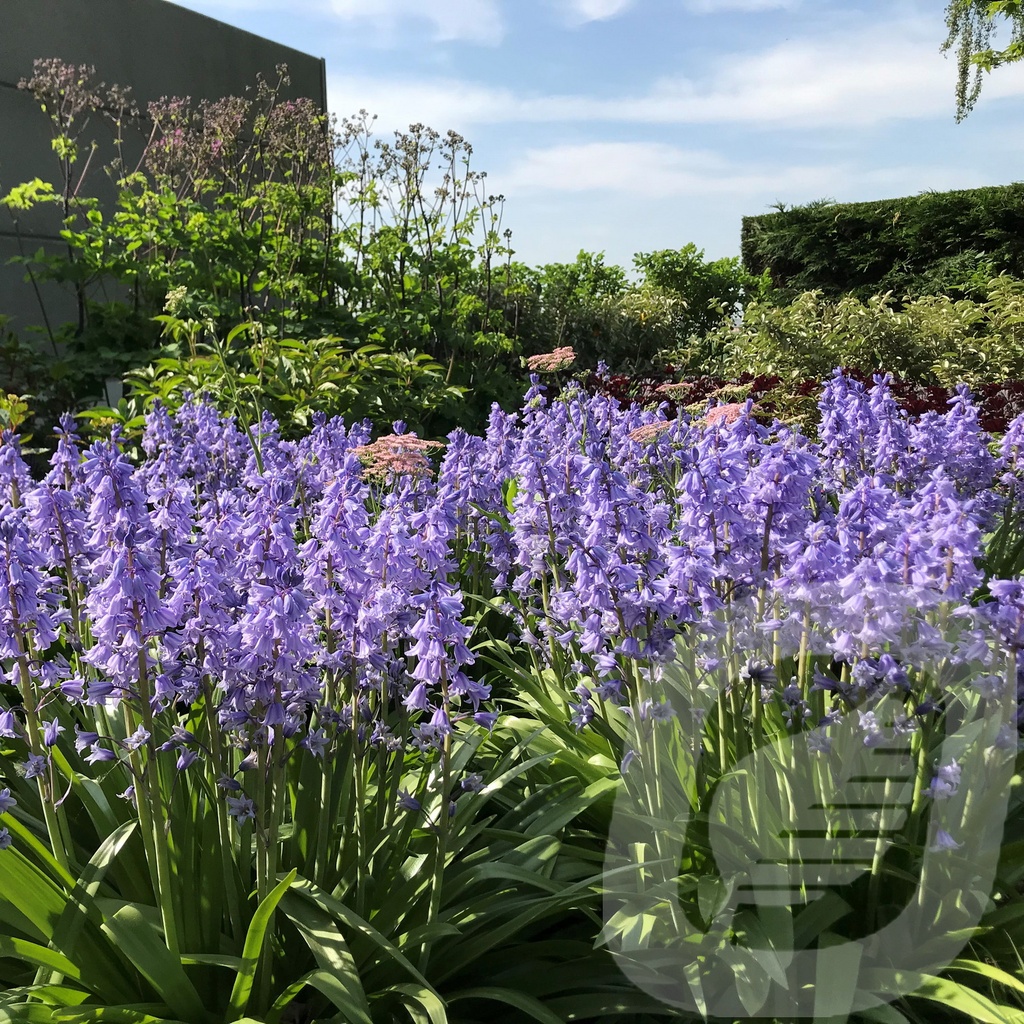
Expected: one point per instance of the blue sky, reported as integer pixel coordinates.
(634, 125)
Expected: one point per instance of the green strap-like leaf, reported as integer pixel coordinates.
(338, 910)
(973, 1004)
(988, 971)
(39, 956)
(883, 1014)
(331, 986)
(26, 841)
(520, 1000)
(137, 1013)
(26, 1013)
(254, 938)
(141, 943)
(232, 963)
(61, 996)
(98, 962)
(32, 894)
(332, 955)
(424, 1004)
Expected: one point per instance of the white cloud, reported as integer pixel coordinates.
(440, 103)
(473, 21)
(891, 71)
(476, 21)
(652, 170)
(726, 6)
(598, 10)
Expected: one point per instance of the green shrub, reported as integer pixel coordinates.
(294, 378)
(708, 291)
(933, 340)
(593, 307)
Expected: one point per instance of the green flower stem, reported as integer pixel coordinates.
(737, 722)
(395, 770)
(265, 879)
(152, 837)
(919, 746)
(316, 855)
(276, 798)
(232, 385)
(646, 743)
(151, 782)
(723, 733)
(276, 794)
(875, 881)
(222, 766)
(443, 827)
(358, 806)
(56, 834)
(263, 885)
(803, 660)
(316, 858)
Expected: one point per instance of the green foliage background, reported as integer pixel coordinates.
(936, 243)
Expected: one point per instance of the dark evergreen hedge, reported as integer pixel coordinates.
(934, 243)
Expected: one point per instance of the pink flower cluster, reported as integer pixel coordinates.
(550, 362)
(395, 455)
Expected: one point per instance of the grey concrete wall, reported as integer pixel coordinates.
(157, 48)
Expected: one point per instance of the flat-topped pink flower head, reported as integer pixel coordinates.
(396, 455)
(650, 431)
(724, 415)
(551, 362)
(674, 390)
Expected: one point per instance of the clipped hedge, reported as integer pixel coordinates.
(934, 243)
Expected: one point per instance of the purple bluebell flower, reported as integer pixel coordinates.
(943, 842)
(946, 781)
(241, 808)
(408, 802)
(871, 728)
(818, 741)
(956, 444)
(99, 754)
(51, 731)
(316, 742)
(6, 801)
(5, 839)
(139, 738)
(9, 728)
(487, 719)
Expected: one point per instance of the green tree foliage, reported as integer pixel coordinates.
(971, 27)
(386, 259)
(696, 298)
(707, 290)
(576, 305)
(260, 209)
(293, 378)
(594, 307)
